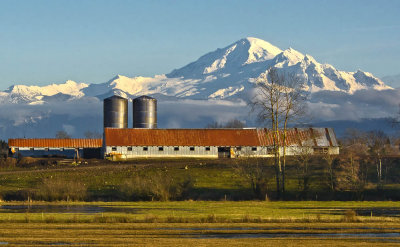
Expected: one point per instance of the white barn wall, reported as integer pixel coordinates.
(200, 151)
(168, 151)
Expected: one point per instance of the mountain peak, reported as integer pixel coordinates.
(225, 72)
(289, 57)
(260, 50)
(229, 59)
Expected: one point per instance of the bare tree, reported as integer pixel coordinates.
(254, 170)
(294, 107)
(302, 162)
(354, 147)
(92, 134)
(329, 158)
(231, 124)
(214, 125)
(3, 149)
(278, 101)
(61, 134)
(235, 123)
(379, 146)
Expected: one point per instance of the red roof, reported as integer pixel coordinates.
(215, 137)
(56, 143)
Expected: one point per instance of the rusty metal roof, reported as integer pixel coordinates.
(216, 137)
(56, 143)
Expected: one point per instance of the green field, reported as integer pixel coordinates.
(191, 179)
(190, 202)
(199, 223)
(199, 211)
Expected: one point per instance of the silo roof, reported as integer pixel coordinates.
(116, 96)
(144, 97)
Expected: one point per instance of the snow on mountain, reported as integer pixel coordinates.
(319, 77)
(131, 87)
(212, 88)
(35, 94)
(227, 73)
(229, 59)
(236, 66)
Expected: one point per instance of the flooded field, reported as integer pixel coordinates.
(199, 223)
(243, 234)
(73, 209)
(367, 211)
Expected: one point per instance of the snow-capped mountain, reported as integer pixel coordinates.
(226, 73)
(215, 87)
(37, 95)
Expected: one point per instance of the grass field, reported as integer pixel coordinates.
(153, 234)
(208, 179)
(218, 209)
(199, 223)
(199, 211)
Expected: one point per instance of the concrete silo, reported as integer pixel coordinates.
(115, 112)
(144, 112)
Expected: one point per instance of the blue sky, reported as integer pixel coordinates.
(44, 42)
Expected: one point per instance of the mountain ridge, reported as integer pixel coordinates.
(225, 73)
(215, 87)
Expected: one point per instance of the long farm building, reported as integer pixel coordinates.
(144, 140)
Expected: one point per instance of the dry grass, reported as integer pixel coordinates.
(160, 234)
(203, 211)
(52, 189)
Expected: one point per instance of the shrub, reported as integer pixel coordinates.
(54, 189)
(136, 188)
(211, 218)
(159, 186)
(151, 219)
(110, 219)
(8, 162)
(16, 195)
(350, 216)
(50, 219)
(26, 161)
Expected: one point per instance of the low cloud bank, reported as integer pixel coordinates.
(327, 105)
(86, 114)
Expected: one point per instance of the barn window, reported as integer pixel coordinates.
(320, 150)
(253, 148)
(238, 148)
(31, 149)
(160, 149)
(61, 149)
(145, 148)
(208, 148)
(46, 149)
(114, 149)
(129, 148)
(191, 148)
(176, 148)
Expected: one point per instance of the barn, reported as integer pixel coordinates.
(145, 140)
(50, 147)
(121, 144)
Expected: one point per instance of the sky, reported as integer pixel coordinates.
(43, 42)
